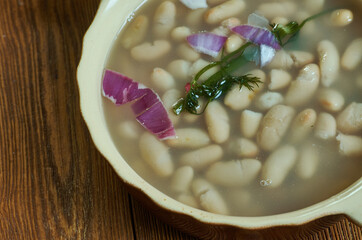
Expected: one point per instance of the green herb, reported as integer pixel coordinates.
(222, 81)
(287, 33)
(218, 84)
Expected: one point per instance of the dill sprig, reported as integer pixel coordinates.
(222, 81)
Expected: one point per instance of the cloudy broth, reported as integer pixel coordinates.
(305, 183)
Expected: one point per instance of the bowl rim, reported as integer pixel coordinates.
(96, 45)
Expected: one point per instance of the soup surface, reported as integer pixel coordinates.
(294, 141)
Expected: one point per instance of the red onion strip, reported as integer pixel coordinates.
(207, 43)
(147, 106)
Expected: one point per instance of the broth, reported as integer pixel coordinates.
(257, 197)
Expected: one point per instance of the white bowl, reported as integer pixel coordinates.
(110, 18)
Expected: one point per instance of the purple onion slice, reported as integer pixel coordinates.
(257, 35)
(147, 106)
(194, 4)
(207, 43)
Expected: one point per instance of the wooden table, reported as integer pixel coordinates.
(53, 182)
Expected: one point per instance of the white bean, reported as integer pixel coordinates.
(233, 43)
(325, 127)
(341, 17)
(195, 17)
(233, 173)
(231, 22)
(164, 19)
(249, 123)
(328, 62)
(277, 9)
(147, 52)
(198, 65)
(129, 129)
(268, 99)
(136, 32)
(203, 157)
(281, 60)
(278, 165)
(181, 179)
(301, 58)
(244, 147)
(279, 79)
(273, 126)
(223, 11)
(307, 162)
(350, 119)
(188, 199)
(302, 125)
(188, 53)
(349, 145)
(179, 69)
(210, 199)
(330, 99)
(238, 99)
(352, 56)
(169, 98)
(217, 122)
(162, 80)
(303, 88)
(156, 154)
(180, 33)
(189, 138)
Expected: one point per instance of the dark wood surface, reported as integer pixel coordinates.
(53, 182)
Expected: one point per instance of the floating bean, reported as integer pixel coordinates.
(352, 57)
(233, 173)
(147, 52)
(136, 32)
(179, 69)
(278, 165)
(223, 11)
(164, 19)
(162, 80)
(209, 198)
(341, 17)
(268, 99)
(244, 147)
(249, 123)
(279, 79)
(274, 126)
(189, 138)
(203, 157)
(181, 179)
(302, 125)
(325, 127)
(307, 162)
(330, 99)
(350, 119)
(304, 87)
(217, 122)
(328, 62)
(349, 145)
(180, 33)
(156, 154)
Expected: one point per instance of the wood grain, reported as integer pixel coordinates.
(53, 182)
